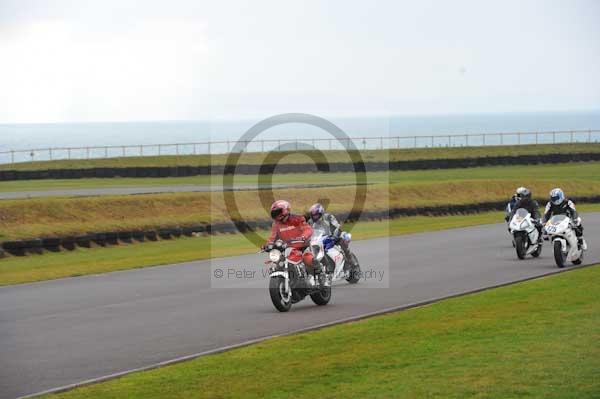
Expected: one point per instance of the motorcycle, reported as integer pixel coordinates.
(340, 263)
(561, 231)
(525, 234)
(289, 281)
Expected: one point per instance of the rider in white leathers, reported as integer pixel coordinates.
(320, 220)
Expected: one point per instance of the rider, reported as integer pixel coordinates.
(525, 201)
(513, 200)
(294, 230)
(560, 205)
(327, 222)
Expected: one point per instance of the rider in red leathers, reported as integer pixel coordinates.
(296, 232)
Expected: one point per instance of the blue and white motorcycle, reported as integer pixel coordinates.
(339, 262)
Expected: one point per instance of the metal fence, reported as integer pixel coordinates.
(363, 143)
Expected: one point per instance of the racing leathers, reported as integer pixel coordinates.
(296, 232)
(330, 225)
(510, 206)
(567, 208)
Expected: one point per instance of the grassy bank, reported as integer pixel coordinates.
(304, 156)
(64, 216)
(535, 339)
(578, 171)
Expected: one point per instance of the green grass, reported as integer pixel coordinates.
(29, 218)
(303, 156)
(536, 339)
(17, 270)
(578, 171)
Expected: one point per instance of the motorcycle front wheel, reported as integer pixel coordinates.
(278, 295)
(559, 256)
(520, 246)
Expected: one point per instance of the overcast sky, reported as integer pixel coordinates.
(118, 60)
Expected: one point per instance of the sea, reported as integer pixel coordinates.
(42, 135)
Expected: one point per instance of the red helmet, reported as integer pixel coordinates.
(280, 210)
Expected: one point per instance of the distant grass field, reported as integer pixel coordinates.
(17, 270)
(536, 339)
(303, 156)
(64, 216)
(576, 171)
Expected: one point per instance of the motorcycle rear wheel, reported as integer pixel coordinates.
(276, 290)
(321, 297)
(354, 270)
(537, 252)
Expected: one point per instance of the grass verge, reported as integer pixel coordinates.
(534, 339)
(254, 158)
(580, 171)
(20, 219)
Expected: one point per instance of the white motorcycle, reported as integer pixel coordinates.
(564, 240)
(525, 234)
(337, 264)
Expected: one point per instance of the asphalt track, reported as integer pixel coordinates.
(66, 331)
(181, 188)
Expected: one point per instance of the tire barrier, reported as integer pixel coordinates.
(102, 239)
(185, 171)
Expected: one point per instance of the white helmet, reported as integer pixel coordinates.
(557, 196)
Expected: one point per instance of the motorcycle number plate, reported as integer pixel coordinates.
(551, 229)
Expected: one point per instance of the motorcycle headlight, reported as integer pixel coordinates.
(275, 255)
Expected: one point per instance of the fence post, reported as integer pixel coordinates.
(50, 153)
(466, 140)
(12, 156)
(415, 144)
(330, 144)
(105, 152)
(69, 153)
(571, 137)
(590, 136)
(536, 137)
(87, 152)
(141, 150)
(483, 138)
(553, 137)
